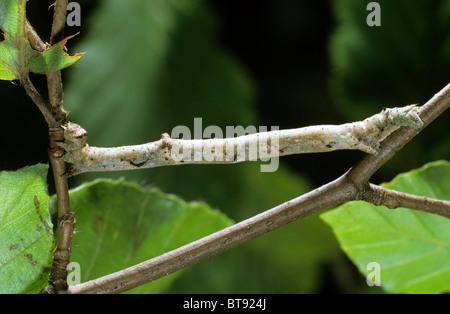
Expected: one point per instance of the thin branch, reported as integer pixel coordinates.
(33, 38)
(54, 82)
(59, 21)
(55, 116)
(363, 170)
(54, 79)
(51, 116)
(66, 218)
(334, 192)
(348, 187)
(378, 195)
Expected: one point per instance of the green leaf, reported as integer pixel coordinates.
(26, 236)
(12, 23)
(16, 55)
(121, 224)
(411, 247)
(53, 59)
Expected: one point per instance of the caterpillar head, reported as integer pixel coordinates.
(75, 136)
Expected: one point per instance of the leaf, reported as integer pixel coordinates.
(412, 247)
(121, 224)
(26, 236)
(53, 59)
(16, 55)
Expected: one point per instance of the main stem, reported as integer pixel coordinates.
(54, 80)
(55, 116)
(66, 219)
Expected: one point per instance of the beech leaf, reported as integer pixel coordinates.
(412, 248)
(26, 231)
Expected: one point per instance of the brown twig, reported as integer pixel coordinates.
(363, 170)
(33, 38)
(66, 219)
(55, 117)
(351, 186)
(51, 116)
(335, 192)
(378, 195)
(54, 80)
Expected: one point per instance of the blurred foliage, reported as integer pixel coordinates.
(411, 247)
(404, 61)
(153, 65)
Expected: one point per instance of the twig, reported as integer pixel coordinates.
(363, 170)
(33, 38)
(221, 241)
(378, 195)
(59, 21)
(54, 115)
(54, 80)
(348, 187)
(51, 116)
(66, 219)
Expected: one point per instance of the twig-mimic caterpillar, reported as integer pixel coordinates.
(363, 135)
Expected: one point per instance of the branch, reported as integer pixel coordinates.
(378, 195)
(54, 80)
(53, 113)
(334, 192)
(66, 218)
(363, 170)
(51, 116)
(33, 38)
(346, 188)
